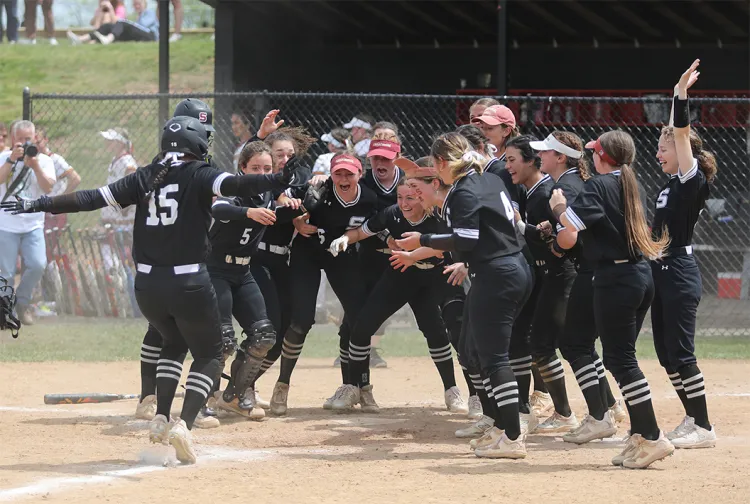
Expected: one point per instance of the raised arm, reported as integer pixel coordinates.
(687, 166)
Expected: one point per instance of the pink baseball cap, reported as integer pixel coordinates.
(346, 162)
(497, 114)
(384, 148)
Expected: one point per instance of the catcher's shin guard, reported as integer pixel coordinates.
(260, 340)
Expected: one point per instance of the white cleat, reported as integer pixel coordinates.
(591, 429)
(454, 402)
(503, 447)
(686, 426)
(260, 402)
(367, 400)
(328, 403)
(697, 438)
(477, 429)
(490, 437)
(541, 404)
(529, 423)
(158, 430)
(203, 421)
(647, 452)
(349, 398)
(146, 409)
(618, 411)
(279, 399)
(182, 440)
(557, 423)
(626, 453)
(475, 408)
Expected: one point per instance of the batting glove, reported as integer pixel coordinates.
(340, 244)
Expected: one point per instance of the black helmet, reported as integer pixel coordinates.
(193, 107)
(185, 134)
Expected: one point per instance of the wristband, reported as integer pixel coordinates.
(559, 210)
(557, 248)
(424, 240)
(681, 113)
(521, 226)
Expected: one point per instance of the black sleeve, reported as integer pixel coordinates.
(219, 183)
(464, 212)
(439, 241)
(286, 214)
(120, 194)
(588, 207)
(378, 222)
(226, 209)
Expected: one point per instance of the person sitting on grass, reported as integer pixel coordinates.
(145, 29)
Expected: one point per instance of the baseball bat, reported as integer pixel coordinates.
(91, 398)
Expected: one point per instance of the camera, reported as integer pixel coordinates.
(30, 150)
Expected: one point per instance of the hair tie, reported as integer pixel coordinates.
(471, 156)
(492, 149)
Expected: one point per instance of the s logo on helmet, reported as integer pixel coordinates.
(202, 117)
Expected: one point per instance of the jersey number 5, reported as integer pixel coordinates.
(245, 236)
(169, 205)
(661, 201)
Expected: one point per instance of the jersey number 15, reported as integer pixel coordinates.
(168, 216)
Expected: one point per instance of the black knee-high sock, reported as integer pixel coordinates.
(291, 348)
(150, 350)
(267, 363)
(637, 394)
(695, 392)
(505, 393)
(522, 371)
(469, 382)
(443, 359)
(588, 379)
(553, 375)
(604, 389)
(538, 381)
(168, 373)
(676, 380)
(359, 364)
(199, 383)
(491, 410)
(272, 356)
(344, 363)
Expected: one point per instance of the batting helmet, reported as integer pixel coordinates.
(185, 134)
(193, 107)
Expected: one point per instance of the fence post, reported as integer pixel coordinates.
(26, 104)
(260, 107)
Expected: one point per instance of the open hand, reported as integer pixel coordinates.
(410, 240)
(269, 124)
(401, 260)
(262, 216)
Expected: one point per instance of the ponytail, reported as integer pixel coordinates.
(458, 154)
(638, 236)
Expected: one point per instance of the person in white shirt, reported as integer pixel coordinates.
(67, 179)
(361, 128)
(338, 140)
(29, 175)
(123, 163)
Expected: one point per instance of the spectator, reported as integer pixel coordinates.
(243, 130)
(123, 163)
(3, 137)
(385, 127)
(145, 29)
(339, 140)
(11, 10)
(361, 128)
(108, 13)
(27, 176)
(49, 20)
(179, 13)
(67, 178)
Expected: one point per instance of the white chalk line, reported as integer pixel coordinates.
(206, 454)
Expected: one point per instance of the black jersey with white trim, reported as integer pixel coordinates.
(679, 204)
(333, 217)
(238, 237)
(392, 219)
(599, 213)
(517, 192)
(537, 211)
(479, 211)
(387, 196)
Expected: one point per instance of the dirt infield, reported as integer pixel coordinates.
(407, 453)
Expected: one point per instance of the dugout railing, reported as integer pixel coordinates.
(722, 238)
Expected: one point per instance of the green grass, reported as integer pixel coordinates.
(94, 69)
(84, 340)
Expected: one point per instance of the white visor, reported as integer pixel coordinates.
(357, 123)
(113, 135)
(328, 138)
(552, 143)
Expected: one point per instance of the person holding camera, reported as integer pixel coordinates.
(27, 173)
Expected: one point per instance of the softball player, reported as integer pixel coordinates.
(676, 277)
(172, 287)
(500, 279)
(610, 213)
(421, 286)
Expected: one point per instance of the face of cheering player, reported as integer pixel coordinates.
(667, 155)
(550, 161)
(384, 169)
(282, 151)
(410, 206)
(384, 132)
(259, 164)
(346, 183)
(520, 171)
(497, 135)
(426, 192)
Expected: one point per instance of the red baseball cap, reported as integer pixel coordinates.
(497, 114)
(596, 145)
(346, 162)
(384, 148)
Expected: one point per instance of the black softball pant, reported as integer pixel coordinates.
(678, 290)
(372, 266)
(237, 295)
(184, 310)
(580, 325)
(422, 290)
(549, 314)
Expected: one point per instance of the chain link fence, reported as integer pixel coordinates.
(722, 238)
